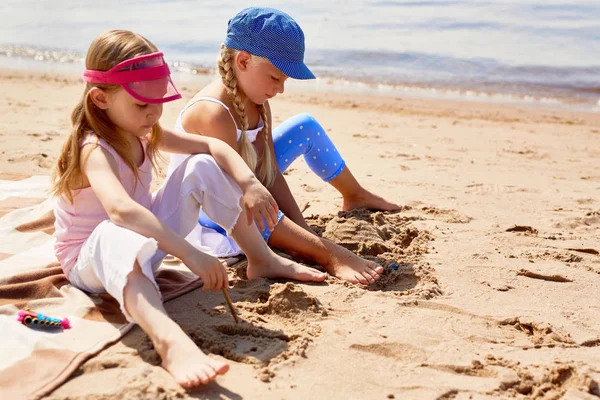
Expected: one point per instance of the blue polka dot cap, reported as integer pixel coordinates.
(272, 34)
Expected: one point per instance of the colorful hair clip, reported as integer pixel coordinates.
(33, 320)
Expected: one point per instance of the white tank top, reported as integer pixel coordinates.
(177, 159)
(251, 133)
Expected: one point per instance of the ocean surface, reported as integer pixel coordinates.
(534, 51)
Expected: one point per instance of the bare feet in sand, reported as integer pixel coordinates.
(186, 362)
(346, 265)
(370, 201)
(280, 267)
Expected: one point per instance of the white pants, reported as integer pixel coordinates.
(109, 254)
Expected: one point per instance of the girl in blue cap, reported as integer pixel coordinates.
(263, 48)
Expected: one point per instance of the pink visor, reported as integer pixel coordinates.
(146, 78)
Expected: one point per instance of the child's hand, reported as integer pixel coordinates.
(209, 269)
(260, 204)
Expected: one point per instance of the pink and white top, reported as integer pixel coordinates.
(76, 221)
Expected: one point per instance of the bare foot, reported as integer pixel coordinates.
(346, 265)
(370, 201)
(186, 362)
(280, 267)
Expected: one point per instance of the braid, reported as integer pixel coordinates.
(227, 73)
(266, 167)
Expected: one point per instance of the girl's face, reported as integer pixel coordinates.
(258, 78)
(128, 114)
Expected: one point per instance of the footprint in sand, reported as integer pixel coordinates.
(398, 351)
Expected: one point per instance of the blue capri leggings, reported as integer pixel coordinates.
(299, 135)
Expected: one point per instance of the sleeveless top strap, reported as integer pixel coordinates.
(250, 133)
(212, 100)
(92, 138)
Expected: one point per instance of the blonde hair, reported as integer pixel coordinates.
(264, 168)
(106, 51)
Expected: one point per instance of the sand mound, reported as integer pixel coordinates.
(388, 239)
(450, 216)
(372, 233)
(281, 300)
(288, 300)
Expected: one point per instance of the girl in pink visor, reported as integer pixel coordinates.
(112, 232)
(263, 48)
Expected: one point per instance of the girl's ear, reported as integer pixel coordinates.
(99, 97)
(243, 60)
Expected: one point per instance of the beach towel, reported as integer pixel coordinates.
(36, 361)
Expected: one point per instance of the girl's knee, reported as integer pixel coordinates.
(203, 171)
(201, 162)
(300, 123)
(308, 122)
(305, 117)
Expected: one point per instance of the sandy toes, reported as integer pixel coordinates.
(346, 265)
(187, 363)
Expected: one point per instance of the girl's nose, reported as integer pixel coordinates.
(281, 88)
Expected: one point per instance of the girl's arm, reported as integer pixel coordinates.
(101, 170)
(281, 191)
(257, 199)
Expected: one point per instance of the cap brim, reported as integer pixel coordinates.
(292, 69)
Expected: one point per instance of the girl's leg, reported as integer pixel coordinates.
(117, 260)
(263, 262)
(180, 355)
(337, 260)
(303, 135)
(200, 181)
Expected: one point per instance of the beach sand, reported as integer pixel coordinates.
(492, 278)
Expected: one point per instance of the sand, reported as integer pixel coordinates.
(492, 279)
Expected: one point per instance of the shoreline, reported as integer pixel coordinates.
(64, 62)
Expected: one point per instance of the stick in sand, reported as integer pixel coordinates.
(172, 259)
(230, 304)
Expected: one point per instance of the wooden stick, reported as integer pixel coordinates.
(230, 304)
